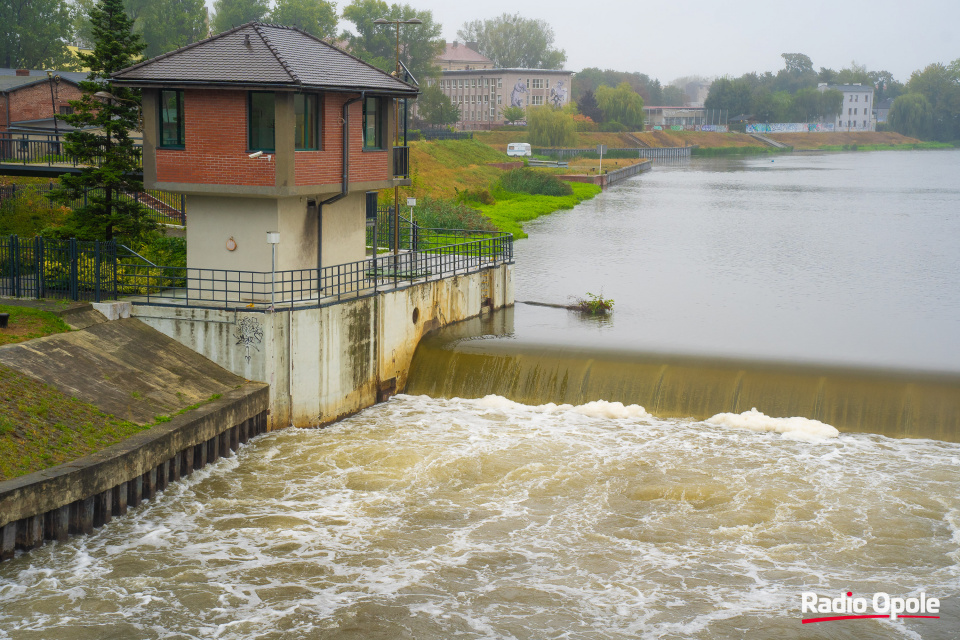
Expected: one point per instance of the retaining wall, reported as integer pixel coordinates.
(613, 177)
(87, 493)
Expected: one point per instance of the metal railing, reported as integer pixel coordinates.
(162, 206)
(48, 150)
(401, 162)
(443, 253)
(61, 269)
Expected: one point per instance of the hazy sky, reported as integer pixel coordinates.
(667, 40)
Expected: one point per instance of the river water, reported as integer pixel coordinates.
(435, 518)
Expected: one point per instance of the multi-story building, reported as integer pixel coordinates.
(857, 111)
(462, 55)
(30, 100)
(482, 93)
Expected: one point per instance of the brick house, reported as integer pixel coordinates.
(26, 100)
(266, 128)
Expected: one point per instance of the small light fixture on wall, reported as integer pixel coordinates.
(231, 244)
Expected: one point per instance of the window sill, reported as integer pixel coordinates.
(180, 147)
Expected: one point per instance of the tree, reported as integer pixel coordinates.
(376, 44)
(796, 74)
(316, 17)
(170, 24)
(911, 115)
(233, 13)
(513, 114)
(733, 96)
(623, 105)
(940, 85)
(672, 97)
(102, 139)
(435, 108)
(33, 33)
(588, 106)
(515, 42)
(549, 127)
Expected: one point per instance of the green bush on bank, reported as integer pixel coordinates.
(533, 182)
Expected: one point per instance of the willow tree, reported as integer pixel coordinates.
(101, 141)
(912, 115)
(549, 127)
(623, 105)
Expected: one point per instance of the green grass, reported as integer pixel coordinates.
(513, 209)
(26, 323)
(40, 427)
(886, 147)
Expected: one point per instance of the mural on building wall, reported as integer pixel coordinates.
(516, 95)
(249, 333)
(790, 127)
(558, 94)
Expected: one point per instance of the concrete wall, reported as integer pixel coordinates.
(329, 362)
(89, 492)
(216, 219)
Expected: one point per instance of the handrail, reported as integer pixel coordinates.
(138, 255)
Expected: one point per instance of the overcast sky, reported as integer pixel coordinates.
(667, 40)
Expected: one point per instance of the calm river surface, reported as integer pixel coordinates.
(843, 258)
(447, 518)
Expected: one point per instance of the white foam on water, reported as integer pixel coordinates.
(596, 409)
(435, 518)
(800, 429)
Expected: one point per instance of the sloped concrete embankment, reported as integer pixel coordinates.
(132, 371)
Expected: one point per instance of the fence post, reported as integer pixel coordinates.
(41, 267)
(116, 266)
(74, 275)
(96, 271)
(15, 264)
(183, 211)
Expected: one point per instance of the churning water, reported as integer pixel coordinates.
(431, 518)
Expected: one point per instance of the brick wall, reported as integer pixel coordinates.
(33, 102)
(324, 167)
(216, 144)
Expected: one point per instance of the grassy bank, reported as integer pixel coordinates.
(26, 323)
(40, 427)
(444, 171)
(513, 209)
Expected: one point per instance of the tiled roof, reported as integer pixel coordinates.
(459, 52)
(258, 54)
(12, 83)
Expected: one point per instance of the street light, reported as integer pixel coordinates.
(396, 126)
(53, 103)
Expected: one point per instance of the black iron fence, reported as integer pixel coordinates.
(61, 269)
(442, 253)
(48, 150)
(162, 206)
(98, 271)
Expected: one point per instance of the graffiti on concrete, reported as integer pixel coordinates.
(789, 127)
(249, 333)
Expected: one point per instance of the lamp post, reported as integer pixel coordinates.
(396, 126)
(53, 102)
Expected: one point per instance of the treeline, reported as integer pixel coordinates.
(930, 105)
(791, 94)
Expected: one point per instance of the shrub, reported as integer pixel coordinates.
(613, 127)
(480, 196)
(527, 180)
(551, 128)
(595, 305)
(436, 213)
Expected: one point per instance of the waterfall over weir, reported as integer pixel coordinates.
(477, 358)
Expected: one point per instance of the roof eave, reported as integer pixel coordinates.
(175, 84)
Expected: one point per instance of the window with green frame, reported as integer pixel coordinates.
(306, 111)
(171, 119)
(372, 127)
(262, 121)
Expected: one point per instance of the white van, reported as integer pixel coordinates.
(519, 149)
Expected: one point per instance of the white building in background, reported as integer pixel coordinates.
(857, 112)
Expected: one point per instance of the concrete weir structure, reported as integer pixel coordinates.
(323, 363)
